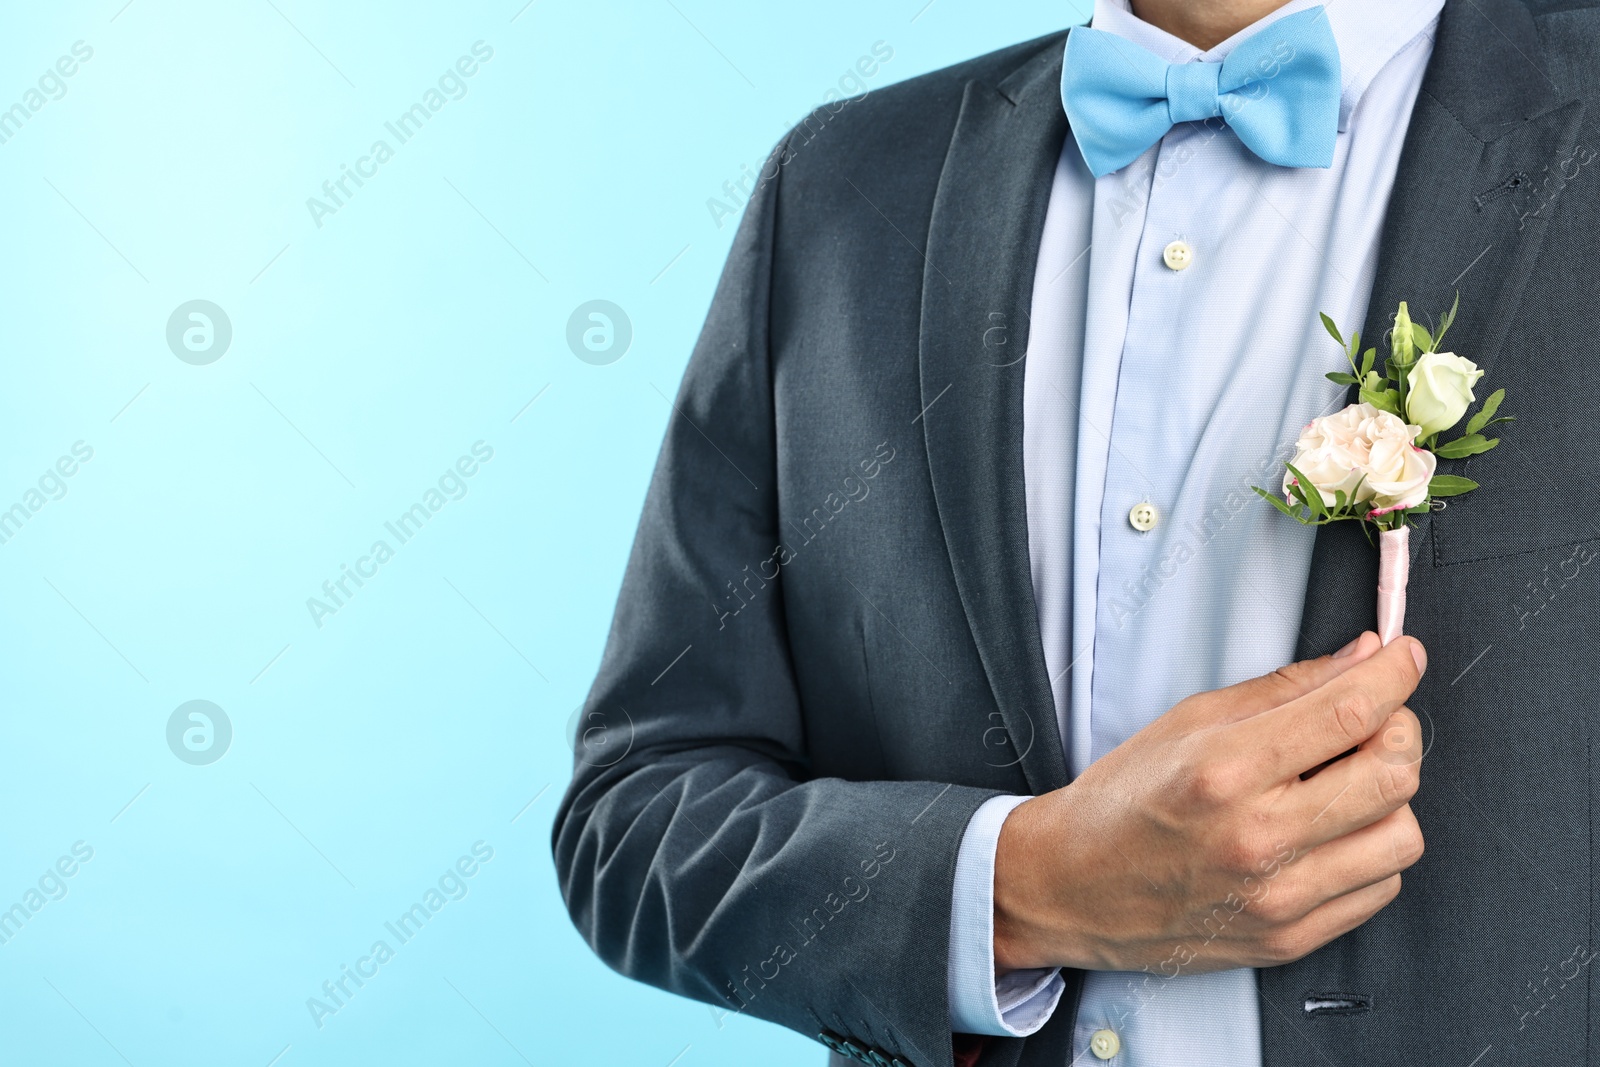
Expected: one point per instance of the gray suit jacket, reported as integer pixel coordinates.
(826, 655)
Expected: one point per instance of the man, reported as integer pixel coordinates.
(939, 718)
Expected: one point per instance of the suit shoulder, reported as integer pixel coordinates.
(949, 82)
(904, 116)
(1540, 8)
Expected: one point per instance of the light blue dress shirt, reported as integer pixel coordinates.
(1180, 388)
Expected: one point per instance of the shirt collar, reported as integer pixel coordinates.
(1369, 35)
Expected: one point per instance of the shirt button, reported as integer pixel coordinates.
(1143, 518)
(1105, 1044)
(1178, 255)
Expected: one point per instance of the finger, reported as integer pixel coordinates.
(1359, 859)
(1288, 683)
(1358, 790)
(1333, 719)
(1400, 740)
(1334, 919)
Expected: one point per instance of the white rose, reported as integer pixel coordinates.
(1332, 452)
(1440, 391)
(1397, 470)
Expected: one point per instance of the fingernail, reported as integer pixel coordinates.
(1419, 654)
(1347, 649)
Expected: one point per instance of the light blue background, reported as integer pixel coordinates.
(367, 355)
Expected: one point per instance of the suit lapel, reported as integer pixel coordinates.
(983, 241)
(1471, 203)
(1468, 212)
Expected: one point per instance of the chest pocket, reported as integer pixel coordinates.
(1540, 487)
(1515, 510)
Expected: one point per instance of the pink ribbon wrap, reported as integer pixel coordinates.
(1394, 568)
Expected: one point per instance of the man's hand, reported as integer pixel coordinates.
(1220, 835)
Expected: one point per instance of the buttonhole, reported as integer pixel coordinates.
(1338, 1004)
(1510, 185)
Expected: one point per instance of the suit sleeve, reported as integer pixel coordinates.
(694, 849)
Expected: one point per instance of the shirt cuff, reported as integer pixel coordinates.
(1021, 1002)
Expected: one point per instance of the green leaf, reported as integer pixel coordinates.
(1341, 378)
(1470, 445)
(1450, 485)
(1308, 492)
(1384, 400)
(1333, 331)
(1485, 413)
(1421, 337)
(1368, 358)
(1277, 502)
(1447, 319)
(1299, 495)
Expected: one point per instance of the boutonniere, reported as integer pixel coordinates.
(1374, 461)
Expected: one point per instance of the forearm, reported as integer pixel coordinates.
(712, 874)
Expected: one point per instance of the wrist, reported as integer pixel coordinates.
(1022, 936)
(1043, 882)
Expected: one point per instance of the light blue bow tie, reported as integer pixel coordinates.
(1279, 89)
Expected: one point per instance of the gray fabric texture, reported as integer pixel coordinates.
(825, 654)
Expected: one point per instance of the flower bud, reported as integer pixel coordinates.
(1440, 391)
(1401, 340)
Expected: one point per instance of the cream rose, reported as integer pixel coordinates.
(1332, 452)
(1440, 391)
(1397, 470)
(1368, 454)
